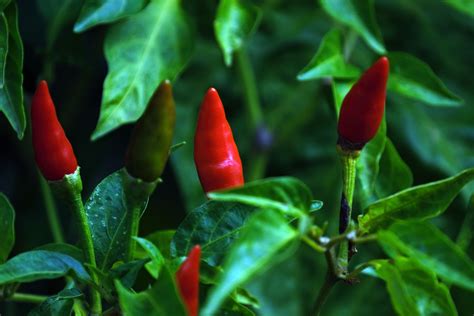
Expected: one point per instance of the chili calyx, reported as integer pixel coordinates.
(53, 151)
(216, 155)
(363, 107)
(187, 278)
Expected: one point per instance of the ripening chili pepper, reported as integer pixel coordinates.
(363, 107)
(187, 278)
(151, 139)
(53, 151)
(216, 156)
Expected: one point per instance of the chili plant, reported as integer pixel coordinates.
(290, 193)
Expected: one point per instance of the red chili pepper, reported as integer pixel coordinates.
(363, 107)
(53, 151)
(215, 153)
(187, 277)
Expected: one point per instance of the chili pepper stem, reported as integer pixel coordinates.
(134, 228)
(332, 276)
(136, 211)
(349, 162)
(51, 211)
(256, 169)
(323, 294)
(27, 298)
(69, 189)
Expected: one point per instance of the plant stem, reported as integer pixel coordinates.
(323, 294)
(51, 210)
(256, 169)
(247, 76)
(69, 189)
(134, 228)
(88, 249)
(313, 244)
(27, 298)
(361, 267)
(349, 162)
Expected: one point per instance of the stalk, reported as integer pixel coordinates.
(349, 163)
(69, 190)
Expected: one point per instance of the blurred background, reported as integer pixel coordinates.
(296, 137)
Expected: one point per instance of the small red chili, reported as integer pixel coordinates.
(363, 107)
(187, 278)
(53, 151)
(216, 156)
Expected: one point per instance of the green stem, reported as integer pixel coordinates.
(88, 249)
(256, 169)
(247, 76)
(51, 211)
(27, 298)
(323, 294)
(134, 229)
(349, 162)
(313, 244)
(69, 189)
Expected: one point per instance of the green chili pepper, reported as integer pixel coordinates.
(150, 143)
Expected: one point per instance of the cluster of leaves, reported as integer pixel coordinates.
(265, 233)
(245, 232)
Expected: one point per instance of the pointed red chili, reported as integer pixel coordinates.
(363, 107)
(53, 151)
(187, 277)
(216, 156)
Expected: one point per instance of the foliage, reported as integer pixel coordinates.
(268, 247)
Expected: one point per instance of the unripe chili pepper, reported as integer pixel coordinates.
(216, 156)
(151, 139)
(363, 107)
(53, 151)
(187, 278)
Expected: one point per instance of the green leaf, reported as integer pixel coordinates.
(234, 23)
(109, 211)
(65, 249)
(360, 16)
(96, 12)
(285, 194)
(214, 226)
(329, 60)
(58, 305)
(162, 240)
(394, 173)
(7, 227)
(285, 288)
(424, 243)
(142, 51)
(267, 234)
(465, 6)
(38, 265)
(368, 166)
(411, 77)
(157, 259)
(3, 47)
(414, 290)
(339, 91)
(11, 91)
(127, 272)
(420, 202)
(161, 299)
